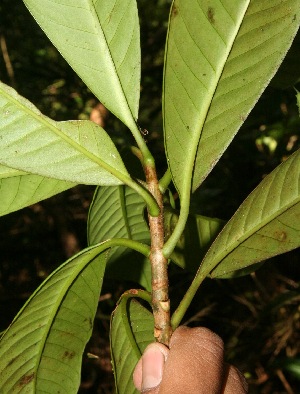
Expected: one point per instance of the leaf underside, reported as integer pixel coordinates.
(131, 331)
(19, 190)
(100, 40)
(75, 151)
(220, 55)
(41, 352)
(266, 224)
(118, 212)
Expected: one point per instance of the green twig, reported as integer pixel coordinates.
(180, 226)
(165, 181)
(186, 301)
(141, 143)
(128, 243)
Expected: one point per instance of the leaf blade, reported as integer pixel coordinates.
(19, 190)
(132, 324)
(76, 151)
(265, 225)
(48, 336)
(272, 27)
(100, 40)
(117, 212)
(197, 89)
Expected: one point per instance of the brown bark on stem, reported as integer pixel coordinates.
(159, 266)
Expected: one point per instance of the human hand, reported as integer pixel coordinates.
(194, 364)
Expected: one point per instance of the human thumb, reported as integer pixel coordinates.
(149, 370)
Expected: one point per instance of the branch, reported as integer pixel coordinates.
(159, 264)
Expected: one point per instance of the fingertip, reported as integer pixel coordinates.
(149, 369)
(235, 382)
(137, 375)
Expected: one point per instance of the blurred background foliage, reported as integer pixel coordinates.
(258, 315)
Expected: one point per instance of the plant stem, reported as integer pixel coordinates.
(133, 293)
(159, 264)
(146, 154)
(128, 243)
(143, 192)
(180, 226)
(186, 300)
(165, 181)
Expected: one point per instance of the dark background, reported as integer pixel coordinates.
(257, 315)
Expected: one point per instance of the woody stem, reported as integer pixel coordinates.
(159, 264)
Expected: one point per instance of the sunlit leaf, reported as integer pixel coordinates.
(220, 55)
(131, 331)
(76, 151)
(100, 40)
(19, 190)
(118, 212)
(41, 352)
(266, 224)
(199, 233)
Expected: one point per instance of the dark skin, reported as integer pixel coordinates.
(194, 363)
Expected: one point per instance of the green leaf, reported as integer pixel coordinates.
(118, 212)
(100, 40)
(199, 233)
(220, 55)
(76, 151)
(42, 349)
(265, 225)
(19, 190)
(131, 332)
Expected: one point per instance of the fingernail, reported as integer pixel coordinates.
(152, 368)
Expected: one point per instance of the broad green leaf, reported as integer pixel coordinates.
(220, 55)
(266, 224)
(75, 151)
(118, 212)
(131, 332)
(100, 40)
(19, 190)
(41, 351)
(199, 233)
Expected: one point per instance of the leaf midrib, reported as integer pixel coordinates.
(234, 245)
(100, 32)
(213, 87)
(40, 118)
(67, 283)
(195, 138)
